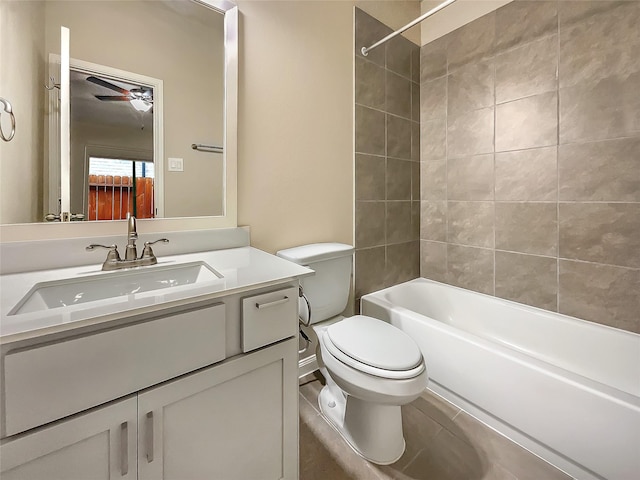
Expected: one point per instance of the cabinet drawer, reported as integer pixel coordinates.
(269, 317)
(49, 382)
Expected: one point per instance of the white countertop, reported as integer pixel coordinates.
(242, 269)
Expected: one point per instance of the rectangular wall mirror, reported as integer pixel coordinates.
(148, 81)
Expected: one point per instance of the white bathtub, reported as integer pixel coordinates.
(566, 389)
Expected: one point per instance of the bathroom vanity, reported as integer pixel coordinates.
(173, 380)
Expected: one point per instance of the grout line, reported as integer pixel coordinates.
(558, 165)
(446, 167)
(495, 118)
(417, 454)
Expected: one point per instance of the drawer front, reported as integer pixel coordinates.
(46, 383)
(269, 317)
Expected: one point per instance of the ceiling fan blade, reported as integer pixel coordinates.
(104, 83)
(113, 98)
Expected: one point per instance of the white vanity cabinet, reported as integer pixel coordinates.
(229, 422)
(134, 403)
(99, 445)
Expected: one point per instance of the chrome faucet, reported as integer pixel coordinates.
(131, 253)
(114, 262)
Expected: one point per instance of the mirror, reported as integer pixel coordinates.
(183, 52)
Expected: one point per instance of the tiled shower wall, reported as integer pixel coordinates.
(530, 159)
(387, 170)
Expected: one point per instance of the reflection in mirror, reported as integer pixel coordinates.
(112, 144)
(177, 42)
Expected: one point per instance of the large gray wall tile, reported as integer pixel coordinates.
(433, 260)
(577, 11)
(399, 216)
(370, 80)
(398, 137)
(403, 262)
(582, 139)
(522, 21)
(433, 221)
(527, 279)
(470, 133)
(527, 123)
(472, 42)
(433, 59)
(398, 179)
(398, 95)
(470, 88)
(433, 139)
(398, 54)
(601, 232)
(527, 175)
(598, 111)
(370, 224)
(600, 293)
(600, 171)
(370, 131)
(527, 70)
(470, 267)
(433, 180)
(603, 45)
(370, 270)
(370, 177)
(527, 227)
(470, 223)
(470, 178)
(433, 99)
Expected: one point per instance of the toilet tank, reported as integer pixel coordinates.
(327, 290)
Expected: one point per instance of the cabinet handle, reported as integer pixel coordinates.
(149, 437)
(124, 448)
(272, 304)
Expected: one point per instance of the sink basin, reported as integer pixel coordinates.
(75, 291)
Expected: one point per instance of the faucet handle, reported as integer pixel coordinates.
(113, 251)
(148, 252)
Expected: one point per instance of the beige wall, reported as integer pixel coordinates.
(295, 166)
(22, 40)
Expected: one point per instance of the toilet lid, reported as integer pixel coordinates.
(375, 343)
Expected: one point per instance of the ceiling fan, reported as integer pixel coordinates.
(141, 98)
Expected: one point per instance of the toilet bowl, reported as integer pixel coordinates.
(369, 377)
(371, 368)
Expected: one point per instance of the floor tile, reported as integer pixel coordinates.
(443, 443)
(517, 460)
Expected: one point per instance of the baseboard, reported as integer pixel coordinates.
(307, 366)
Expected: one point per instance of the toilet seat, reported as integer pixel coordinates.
(374, 347)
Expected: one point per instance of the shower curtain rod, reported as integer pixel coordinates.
(365, 51)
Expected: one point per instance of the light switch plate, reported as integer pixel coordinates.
(176, 164)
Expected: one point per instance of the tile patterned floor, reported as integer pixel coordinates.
(443, 443)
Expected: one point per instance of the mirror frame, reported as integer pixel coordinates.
(56, 230)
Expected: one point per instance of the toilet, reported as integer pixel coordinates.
(371, 367)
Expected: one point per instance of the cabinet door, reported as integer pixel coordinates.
(93, 446)
(236, 420)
